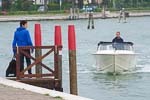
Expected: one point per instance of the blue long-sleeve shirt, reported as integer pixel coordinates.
(21, 38)
(119, 45)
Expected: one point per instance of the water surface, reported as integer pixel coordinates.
(92, 83)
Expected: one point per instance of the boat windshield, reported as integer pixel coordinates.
(115, 46)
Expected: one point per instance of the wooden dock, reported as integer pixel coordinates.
(50, 80)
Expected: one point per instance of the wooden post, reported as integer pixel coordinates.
(38, 52)
(17, 63)
(60, 70)
(58, 42)
(78, 11)
(56, 65)
(120, 15)
(124, 15)
(90, 21)
(103, 11)
(71, 14)
(72, 60)
(73, 9)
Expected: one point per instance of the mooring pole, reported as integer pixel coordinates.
(71, 14)
(119, 17)
(38, 52)
(72, 60)
(78, 11)
(58, 42)
(103, 11)
(90, 21)
(73, 9)
(124, 15)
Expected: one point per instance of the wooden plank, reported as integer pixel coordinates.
(48, 83)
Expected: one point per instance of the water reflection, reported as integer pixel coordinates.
(120, 87)
(115, 81)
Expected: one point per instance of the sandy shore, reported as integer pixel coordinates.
(66, 16)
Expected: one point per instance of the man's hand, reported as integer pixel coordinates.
(32, 50)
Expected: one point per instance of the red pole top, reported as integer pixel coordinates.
(58, 36)
(37, 35)
(71, 38)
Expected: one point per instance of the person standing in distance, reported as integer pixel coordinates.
(22, 38)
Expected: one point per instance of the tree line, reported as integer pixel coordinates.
(126, 3)
(28, 5)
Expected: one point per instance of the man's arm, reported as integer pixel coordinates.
(122, 40)
(29, 39)
(14, 44)
(113, 40)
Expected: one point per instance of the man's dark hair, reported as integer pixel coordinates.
(23, 22)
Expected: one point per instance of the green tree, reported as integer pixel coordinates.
(23, 5)
(6, 4)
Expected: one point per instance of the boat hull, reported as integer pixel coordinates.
(115, 63)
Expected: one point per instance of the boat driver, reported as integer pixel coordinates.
(118, 42)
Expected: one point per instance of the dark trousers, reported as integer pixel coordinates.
(28, 61)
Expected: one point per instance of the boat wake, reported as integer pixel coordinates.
(143, 68)
(139, 69)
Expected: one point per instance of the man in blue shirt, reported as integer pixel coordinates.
(118, 42)
(22, 38)
(117, 39)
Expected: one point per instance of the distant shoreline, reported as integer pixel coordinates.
(8, 18)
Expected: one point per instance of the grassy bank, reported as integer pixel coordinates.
(33, 12)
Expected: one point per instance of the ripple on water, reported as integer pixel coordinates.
(92, 83)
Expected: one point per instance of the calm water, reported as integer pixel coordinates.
(91, 83)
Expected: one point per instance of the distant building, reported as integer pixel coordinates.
(38, 2)
(85, 1)
(79, 2)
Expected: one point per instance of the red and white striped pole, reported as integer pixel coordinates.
(58, 36)
(72, 59)
(38, 42)
(58, 42)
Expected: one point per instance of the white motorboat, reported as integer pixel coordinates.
(115, 58)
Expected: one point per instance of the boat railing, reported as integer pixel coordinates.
(115, 46)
